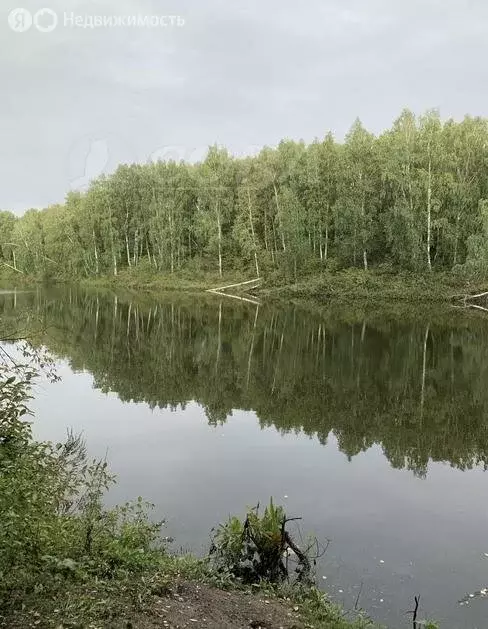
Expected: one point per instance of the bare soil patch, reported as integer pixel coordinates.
(195, 605)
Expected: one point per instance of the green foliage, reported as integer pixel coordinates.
(256, 549)
(320, 612)
(412, 197)
(55, 534)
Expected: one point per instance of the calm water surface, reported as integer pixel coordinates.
(373, 428)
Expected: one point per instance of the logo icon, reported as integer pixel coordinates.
(45, 25)
(20, 20)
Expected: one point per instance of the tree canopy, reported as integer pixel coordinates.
(413, 197)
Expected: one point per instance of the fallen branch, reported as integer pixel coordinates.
(304, 570)
(220, 288)
(414, 612)
(477, 307)
(251, 301)
(13, 268)
(485, 294)
(358, 597)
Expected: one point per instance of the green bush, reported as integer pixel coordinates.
(257, 548)
(55, 532)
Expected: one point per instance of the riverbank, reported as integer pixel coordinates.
(352, 285)
(180, 594)
(97, 569)
(67, 561)
(341, 286)
(373, 286)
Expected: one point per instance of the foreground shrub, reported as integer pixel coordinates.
(258, 548)
(55, 531)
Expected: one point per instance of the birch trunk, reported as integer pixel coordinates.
(136, 248)
(363, 226)
(265, 231)
(456, 240)
(278, 212)
(252, 233)
(127, 234)
(97, 267)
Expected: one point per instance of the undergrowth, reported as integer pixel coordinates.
(67, 562)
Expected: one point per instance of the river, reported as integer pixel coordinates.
(371, 426)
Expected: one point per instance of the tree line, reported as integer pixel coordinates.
(413, 198)
(414, 385)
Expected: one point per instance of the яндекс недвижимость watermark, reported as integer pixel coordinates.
(46, 20)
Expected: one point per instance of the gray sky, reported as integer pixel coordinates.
(75, 102)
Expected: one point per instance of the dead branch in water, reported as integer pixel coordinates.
(414, 612)
(477, 307)
(248, 299)
(220, 288)
(358, 596)
(478, 296)
(303, 570)
(220, 291)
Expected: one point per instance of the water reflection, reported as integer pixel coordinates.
(412, 385)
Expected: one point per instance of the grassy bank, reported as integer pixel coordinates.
(150, 281)
(132, 280)
(375, 286)
(177, 592)
(351, 285)
(68, 562)
(340, 286)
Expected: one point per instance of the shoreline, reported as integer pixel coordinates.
(347, 286)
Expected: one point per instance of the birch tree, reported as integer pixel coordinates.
(429, 163)
(216, 202)
(358, 195)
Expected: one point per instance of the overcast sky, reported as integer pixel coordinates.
(75, 102)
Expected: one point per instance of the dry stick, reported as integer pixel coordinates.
(299, 553)
(287, 542)
(13, 268)
(209, 290)
(476, 296)
(477, 307)
(358, 596)
(326, 548)
(251, 301)
(415, 611)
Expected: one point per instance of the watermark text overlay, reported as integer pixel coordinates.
(46, 20)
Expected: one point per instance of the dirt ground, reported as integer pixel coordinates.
(191, 605)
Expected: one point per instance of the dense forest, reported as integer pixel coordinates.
(415, 387)
(413, 198)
